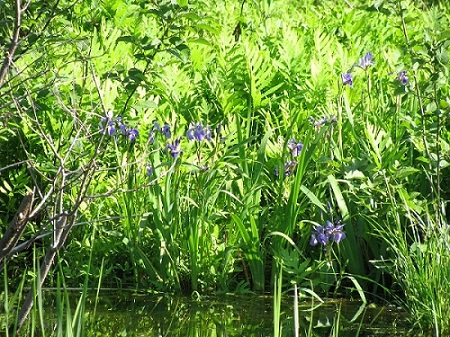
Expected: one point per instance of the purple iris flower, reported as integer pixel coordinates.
(165, 130)
(132, 134)
(123, 128)
(366, 61)
(110, 128)
(174, 148)
(335, 231)
(109, 116)
(295, 147)
(113, 124)
(190, 134)
(319, 236)
(402, 77)
(323, 234)
(198, 132)
(347, 79)
(325, 120)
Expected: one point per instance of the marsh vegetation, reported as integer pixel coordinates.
(214, 147)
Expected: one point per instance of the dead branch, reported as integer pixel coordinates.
(8, 60)
(17, 226)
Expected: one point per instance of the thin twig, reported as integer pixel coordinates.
(7, 61)
(15, 164)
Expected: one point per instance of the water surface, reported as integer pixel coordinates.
(127, 314)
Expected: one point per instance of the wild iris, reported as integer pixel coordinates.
(328, 233)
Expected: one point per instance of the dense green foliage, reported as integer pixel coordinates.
(216, 217)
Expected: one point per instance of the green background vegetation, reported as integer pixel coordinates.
(217, 218)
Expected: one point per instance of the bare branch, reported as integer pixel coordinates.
(14, 165)
(17, 226)
(13, 44)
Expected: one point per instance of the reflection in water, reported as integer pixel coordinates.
(243, 316)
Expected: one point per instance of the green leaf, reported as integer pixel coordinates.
(146, 105)
(201, 41)
(136, 74)
(354, 174)
(127, 39)
(405, 171)
(312, 197)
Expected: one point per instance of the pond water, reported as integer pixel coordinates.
(130, 314)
